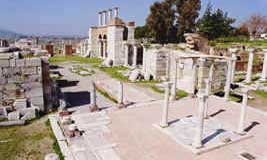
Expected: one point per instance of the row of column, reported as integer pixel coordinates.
(202, 112)
(120, 97)
(105, 17)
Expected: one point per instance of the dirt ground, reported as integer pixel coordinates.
(30, 142)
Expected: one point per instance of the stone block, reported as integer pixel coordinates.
(20, 104)
(20, 62)
(14, 116)
(29, 114)
(12, 63)
(4, 63)
(33, 62)
(29, 70)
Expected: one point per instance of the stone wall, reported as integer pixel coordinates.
(26, 79)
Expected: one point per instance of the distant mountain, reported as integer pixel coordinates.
(9, 34)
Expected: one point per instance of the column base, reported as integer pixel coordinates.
(164, 125)
(197, 146)
(93, 108)
(243, 133)
(121, 106)
(172, 98)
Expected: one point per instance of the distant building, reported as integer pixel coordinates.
(68, 51)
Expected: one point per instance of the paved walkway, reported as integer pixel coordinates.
(143, 141)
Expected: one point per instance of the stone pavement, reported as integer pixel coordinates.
(137, 138)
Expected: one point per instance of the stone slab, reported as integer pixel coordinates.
(13, 116)
(183, 132)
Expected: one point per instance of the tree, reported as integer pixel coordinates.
(161, 21)
(257, 24)
(215, 24)
(242, 30)
(141, 32)
(187, 13)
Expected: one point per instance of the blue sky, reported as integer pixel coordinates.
(68, 17)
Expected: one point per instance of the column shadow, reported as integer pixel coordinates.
(251, 126)
(217, 113)
(212, 136)
(75, 99)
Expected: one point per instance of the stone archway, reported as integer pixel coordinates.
(130, 55)
(101, 45)
(105, 46)
(139, 56)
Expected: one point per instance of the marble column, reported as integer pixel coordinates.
(164, 118)
(194, 77)
(234, 59)
(250, 66)
(174, 86)
(227, 87)
(109, 15)
(100, 19)
(104, 14)
(116, 12)
(202, 97)
(120, 95)
(264, 68)
(126, 52)
(241, 125)
(207, 92)
(134, 56)
(93, 106)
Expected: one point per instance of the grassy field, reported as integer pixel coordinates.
(60, 59)
(179, 93)
(32, 141)
(226, 44)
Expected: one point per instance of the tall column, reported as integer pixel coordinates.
(164, 118)
(116, 12)
(104, 14)
(174, 86)
(120, 95)
(234, 57)
(109, 15)
(134, 55)
(126, 52)
(250, 66)
(202, 97)
(93, 106)
(207, 92)
(227, 87)
(194, 77)
(99, 18)
(243, 111)
(264, 68)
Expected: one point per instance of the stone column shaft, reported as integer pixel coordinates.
(100, 19)
(202, 97)
(109, 15)
(120, 95)
(93, 106)
(104, 14)
(228, 81)
(134, 56)
(250, 67)
(164, 118)
(194, 77)
(116, 12)
(264, 68)
(233, 67)
(174, 86)
(243, 111)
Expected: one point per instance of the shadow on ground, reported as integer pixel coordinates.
(65, 83)
(75, 99)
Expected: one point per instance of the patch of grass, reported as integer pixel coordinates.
(179, 93)
(31, 141)
(115, 72)
(235, 98)
(156, 89)
(79, 69)
(56, 147)
(260, 93)
(105, 94)
(60, 59)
